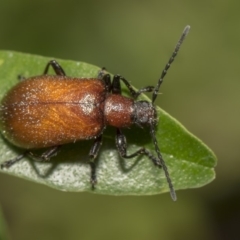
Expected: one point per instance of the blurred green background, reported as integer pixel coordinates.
(135, 39)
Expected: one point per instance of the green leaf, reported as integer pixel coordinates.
(3, 227)
(189, 161)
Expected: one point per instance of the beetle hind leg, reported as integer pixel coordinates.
(56, 67)
(9, 163)
(45, 156)
(51, 152)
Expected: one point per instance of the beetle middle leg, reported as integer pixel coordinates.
(92, 156)
(121, 144)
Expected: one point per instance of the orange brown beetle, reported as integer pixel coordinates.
(48, 111)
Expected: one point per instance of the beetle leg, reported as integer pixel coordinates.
(107, 79)
(21, 78)
(56, 67)
(46, 156)
(101, 73)
(92, 156)
(143, 90)
(117, 88)
(121, 144)
(10, 162)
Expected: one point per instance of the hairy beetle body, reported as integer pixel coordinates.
(49, 111)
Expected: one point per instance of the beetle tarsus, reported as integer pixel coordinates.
(9, 163)
(93, 184)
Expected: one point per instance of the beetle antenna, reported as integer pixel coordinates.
(162, 163)
(164, 72)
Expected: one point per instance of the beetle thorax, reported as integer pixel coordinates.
(118, 111)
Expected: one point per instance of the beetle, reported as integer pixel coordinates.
(48, 111)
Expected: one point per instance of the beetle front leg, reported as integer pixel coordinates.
(117, 89)
(121, 144)
(92, 156)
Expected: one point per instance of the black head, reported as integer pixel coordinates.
(145, 112)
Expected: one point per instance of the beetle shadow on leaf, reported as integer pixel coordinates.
(78, 153)
(70, 154)
(125, 168)
(73, 153)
